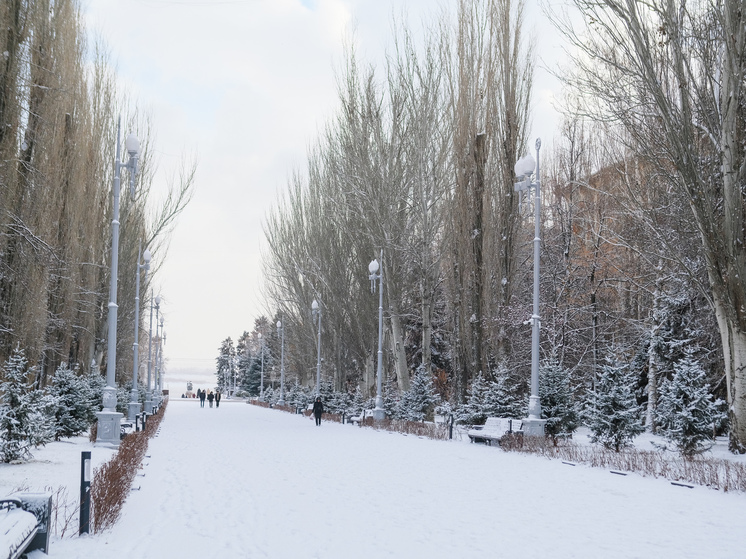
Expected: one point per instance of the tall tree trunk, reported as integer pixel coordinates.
(398, 349)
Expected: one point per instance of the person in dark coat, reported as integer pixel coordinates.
(202, 396)
(210, 398)
(318, 409)
(217, 398)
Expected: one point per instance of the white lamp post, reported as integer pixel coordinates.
(134, 406)
(281, 329)
(261, 377)
(373, 268)
(109, 418)
(316, 310)
(149, 392)
(524, 168)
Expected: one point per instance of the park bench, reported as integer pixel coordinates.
(24, 524)
(494, 429)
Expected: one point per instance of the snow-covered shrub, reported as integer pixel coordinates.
(687, 414)
(418, 403)
(613, 414)
(557, 405)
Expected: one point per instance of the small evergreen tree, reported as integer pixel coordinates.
(418, 403)
(557, 405)
(21, 426)
(270, 396)
(75, 408)
(687, 413)
(358, 402)
(225, 366)
(613, 413)
(501, 397)
(298, 395)
(473, 411)
(391, 400)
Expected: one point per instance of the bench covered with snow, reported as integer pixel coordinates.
(24, 524)
(17, 528)
(494, 429)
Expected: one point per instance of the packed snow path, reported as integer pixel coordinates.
(243, 482)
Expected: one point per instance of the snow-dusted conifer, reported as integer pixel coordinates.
(501, 396)
(418, 403)
(358, 402)
(225, 365)
(687, 413)
(270, 396)
(391, 400)
(473, 411)
(557, 405)
(298, 395)
(18, 430)
(74, 411)
(613, 413)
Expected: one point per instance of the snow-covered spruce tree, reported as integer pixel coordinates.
(269, 395)
(76, 408)
(473, 411)
(687, 414)
(557, 405)
(96, 384)
(298, 395)
(225, 365)
(613, 414)
(251, 377)
(19, 422)
(418, 403)
(358, 402)
(501, 397)
(391, 400)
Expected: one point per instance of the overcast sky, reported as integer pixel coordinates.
(246, 85)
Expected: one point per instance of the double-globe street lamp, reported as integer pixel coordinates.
(281, 329)
(149, 392)
(524, 169)
(109, 418)
(134, 406)
(373, 268)
(316, 310)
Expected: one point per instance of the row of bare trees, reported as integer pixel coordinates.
(59, 105)
(643, 238)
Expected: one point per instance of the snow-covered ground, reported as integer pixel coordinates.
(243, 481)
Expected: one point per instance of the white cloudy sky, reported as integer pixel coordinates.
(246, 84)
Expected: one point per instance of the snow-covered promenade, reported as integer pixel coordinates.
(242, 482)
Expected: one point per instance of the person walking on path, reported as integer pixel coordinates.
(318, 409)
(217, 398)
(210, 398)
(202, 396)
